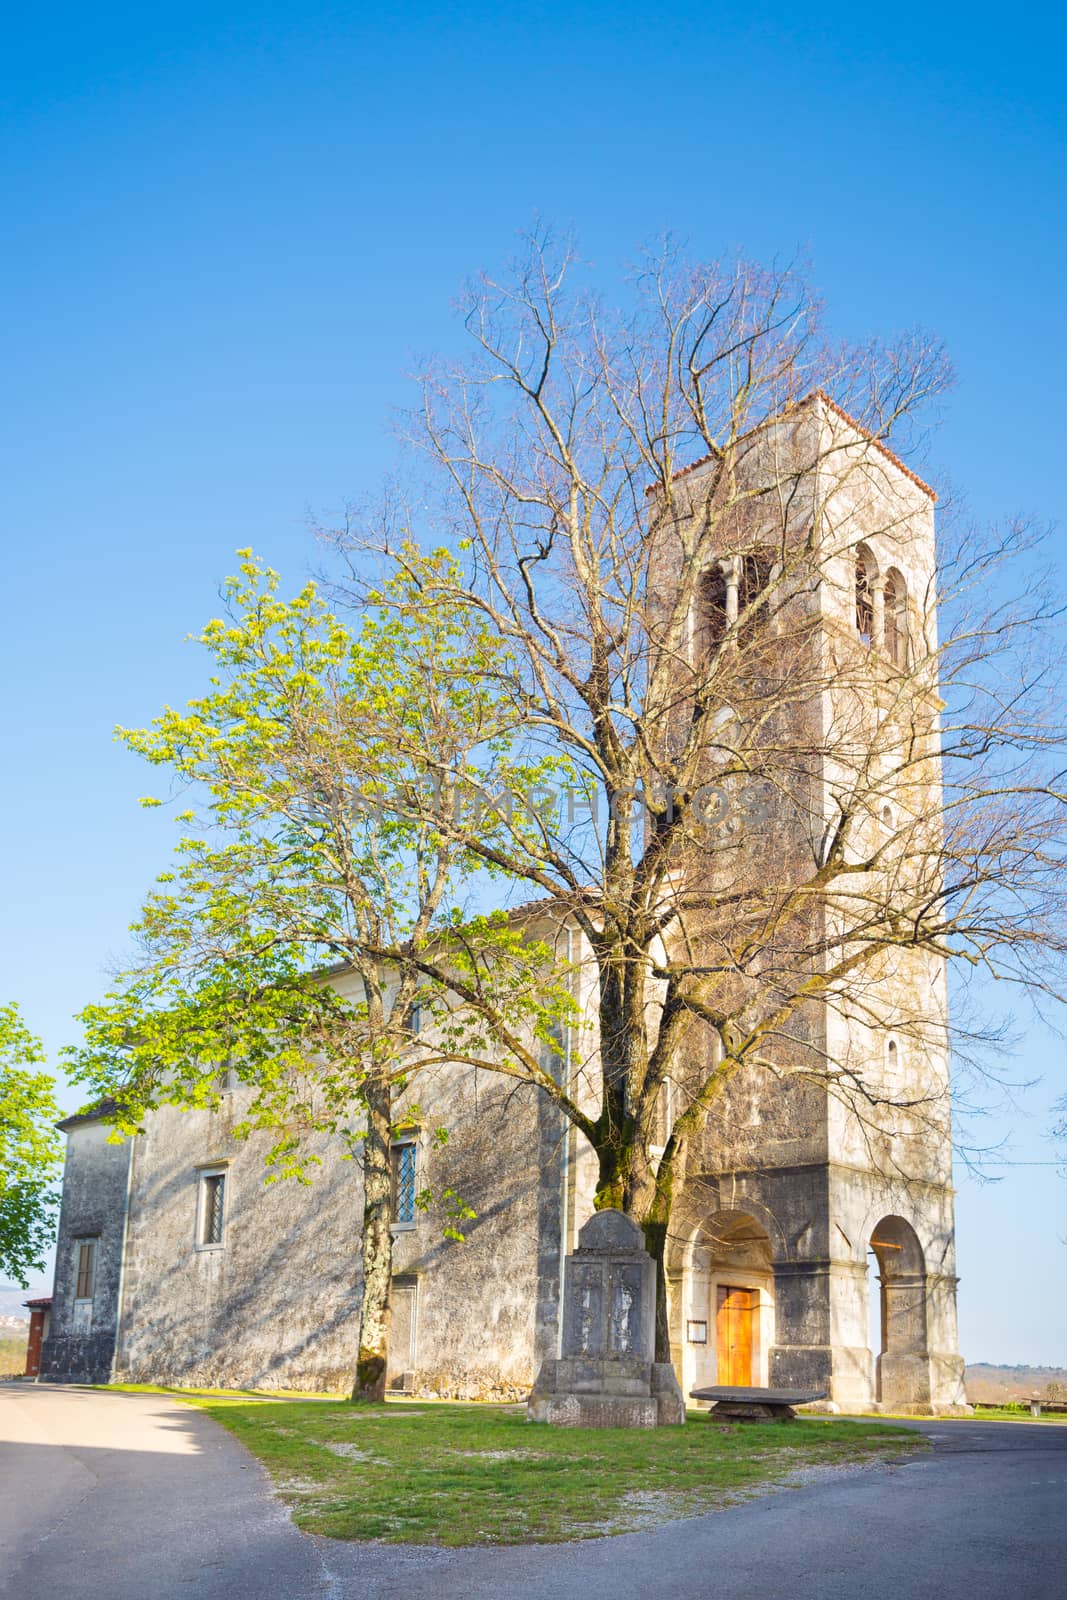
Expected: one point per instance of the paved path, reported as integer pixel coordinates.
(136, 1497)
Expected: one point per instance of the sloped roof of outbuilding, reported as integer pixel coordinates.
(99, 1112)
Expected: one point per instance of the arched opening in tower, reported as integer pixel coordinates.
(902, 1364)
(728, 1303)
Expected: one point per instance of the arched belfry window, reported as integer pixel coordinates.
(713, 606)
(755, 575)
(896, 618)
(731, 593)
(864, 596)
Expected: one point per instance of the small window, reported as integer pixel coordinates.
(403, 1157)
(226, 1082)
(892, 1056)
(86, 1273)
(212, 1219)
(84, 1285)
(415, 1019)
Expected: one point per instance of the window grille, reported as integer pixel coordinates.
(212, 1207)
(864, 602)
(404, 1183)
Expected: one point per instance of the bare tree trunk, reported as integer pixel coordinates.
(377, 1246)
(655, 1232)
(651, 1213)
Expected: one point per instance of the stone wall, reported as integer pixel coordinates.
(277, 1305)
(94, 1207)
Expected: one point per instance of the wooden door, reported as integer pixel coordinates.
(33, 1344)
(733, 1334)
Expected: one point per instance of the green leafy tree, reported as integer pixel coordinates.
(309, 909)
(30, 1151)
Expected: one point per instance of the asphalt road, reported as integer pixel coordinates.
(135, 1497)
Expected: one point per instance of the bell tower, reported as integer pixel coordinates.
(825, 1166)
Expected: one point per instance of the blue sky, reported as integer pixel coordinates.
(229, 232)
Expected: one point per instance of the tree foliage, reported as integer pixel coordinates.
(29, 1150)
(287, 942)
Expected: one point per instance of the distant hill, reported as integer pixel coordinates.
(987, 1383)
(11, 1301)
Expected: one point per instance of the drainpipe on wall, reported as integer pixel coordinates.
(121, 1295)
(568, 1134)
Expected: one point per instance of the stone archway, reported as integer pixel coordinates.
(902, 1365)
(727, 1303)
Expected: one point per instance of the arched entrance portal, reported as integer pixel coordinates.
(728, 1303)
(902, 1368)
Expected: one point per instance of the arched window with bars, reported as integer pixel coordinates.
(864, 580)
(896, 618)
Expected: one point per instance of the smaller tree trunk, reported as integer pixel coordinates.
(373, 1357)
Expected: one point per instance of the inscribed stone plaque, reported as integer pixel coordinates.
(583, 1330)
(624, 1329)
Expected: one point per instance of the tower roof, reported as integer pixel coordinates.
(839, 411)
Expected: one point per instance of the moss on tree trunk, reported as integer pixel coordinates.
(372, 1363)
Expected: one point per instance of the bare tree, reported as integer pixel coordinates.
(791, 800)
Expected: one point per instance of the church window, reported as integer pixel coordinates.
(226, 1082)
(84, 1285)
(864, 599)
(896, 633)
(755, 576)
(403, 1156)
(86, 1273)
(212, 1210)
(892, 1056)
(714, 606)
(731, 590)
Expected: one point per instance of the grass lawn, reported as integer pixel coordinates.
(449, 1474)
(1016, 1413)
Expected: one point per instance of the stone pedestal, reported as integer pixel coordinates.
(606, 1375)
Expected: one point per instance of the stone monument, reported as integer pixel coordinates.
(607, 1375)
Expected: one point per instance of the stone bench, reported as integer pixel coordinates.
(756, 1405)
(1039, 1408)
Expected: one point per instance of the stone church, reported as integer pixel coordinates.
(809, 1247)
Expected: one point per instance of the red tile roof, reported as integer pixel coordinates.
(831, 405)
